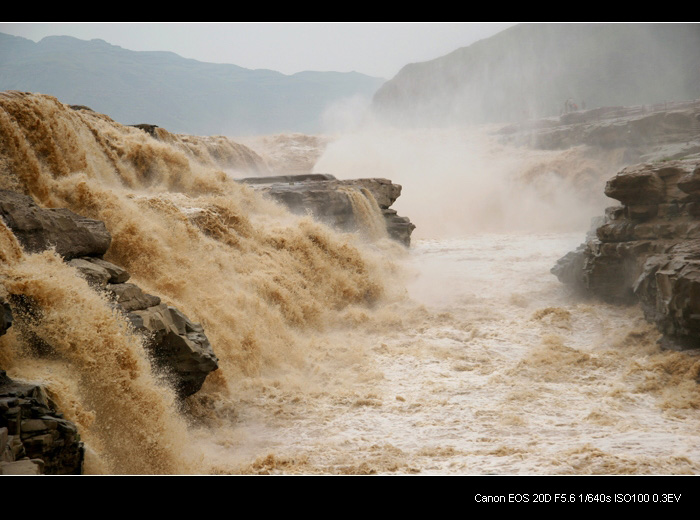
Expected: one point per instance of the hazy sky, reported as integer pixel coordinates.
(378, 48)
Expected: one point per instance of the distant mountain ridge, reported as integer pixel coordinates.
(180, 94)
(531, 70)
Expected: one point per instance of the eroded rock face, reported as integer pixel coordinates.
(34, 438)
(329, 200)
(647, 249)
(38, 229)
(178, 347)
(650, 132)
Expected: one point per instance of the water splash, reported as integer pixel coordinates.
(261, 281)
(371, 222)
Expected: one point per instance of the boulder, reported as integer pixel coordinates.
(639, 185)
(38, 229)
(99, 272)
(177, 346)
(5, 316)
(129, 297)
(34, 437)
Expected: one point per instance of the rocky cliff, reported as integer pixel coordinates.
(647, 249)
(178, 347)
(645, 133)
(34, 436)
(347, 205)
(35, 439)
(530, 70)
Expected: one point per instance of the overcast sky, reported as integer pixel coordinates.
(377, 49)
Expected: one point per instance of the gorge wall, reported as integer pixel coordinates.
(532, 69)
(642, 250)
(646, 249)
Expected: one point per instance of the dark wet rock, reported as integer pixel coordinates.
(148, 128)
(648, 249)
(178, 347)
(34, 437)
(328, 200)
(398, 228)
(129, 297)
(5, 316)
(38, 229)
(99, 272)
(94, 274)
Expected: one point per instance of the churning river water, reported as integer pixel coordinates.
(493, 368)
(461, 355)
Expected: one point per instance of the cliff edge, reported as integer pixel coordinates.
(647, 249)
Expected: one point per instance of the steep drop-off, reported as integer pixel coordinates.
(264, 284)
(646, 250)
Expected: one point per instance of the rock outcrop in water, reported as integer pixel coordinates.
(648, 248)
(34, 438)
(178, 347)
(341, 204)
(39, 229)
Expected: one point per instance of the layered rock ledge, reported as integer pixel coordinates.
(330, 200)
(177, 346)
(647, 249)
(646, 132)
(35, 439)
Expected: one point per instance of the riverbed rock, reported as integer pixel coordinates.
(34, 437)
(38, 229)
(177, 346)
(99, 272)
(648, 249)
(5, 316)
(328, 199)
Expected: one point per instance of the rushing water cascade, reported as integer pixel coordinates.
(336, 355)
(366, 210)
